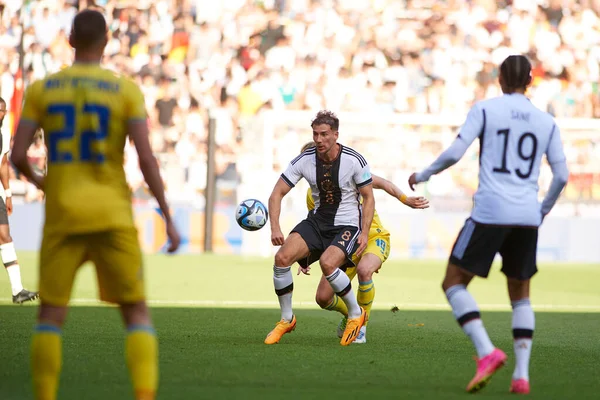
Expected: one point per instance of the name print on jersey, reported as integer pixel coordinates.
(519, 115)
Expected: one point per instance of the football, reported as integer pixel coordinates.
(251, 215)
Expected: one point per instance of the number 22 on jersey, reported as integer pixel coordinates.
(85, 130)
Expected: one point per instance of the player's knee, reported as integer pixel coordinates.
(365, 275)
(328, 265)
(135, 313)
(54, 315)
(5, 236)
(282, 259)
(518, 289)
(456, 276)
(322, 300)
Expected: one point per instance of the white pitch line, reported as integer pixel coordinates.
(406, 306)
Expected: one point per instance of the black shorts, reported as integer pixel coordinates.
(3, 212)
(318, 238)
(477, 245)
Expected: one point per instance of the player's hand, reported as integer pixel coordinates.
(9, 207)
(304, 270)
(277, 238)
(362, 241)
(412, 181)
(173, 236)
(416, 202)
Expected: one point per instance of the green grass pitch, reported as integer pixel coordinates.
(213, 312)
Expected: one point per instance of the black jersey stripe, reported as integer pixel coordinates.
(286, 180)
(365, 183)
(350, 149)
(308, 152)
(481, 136)
(357, 156)
(355, 153)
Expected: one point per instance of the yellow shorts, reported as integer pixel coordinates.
(116, 255)
(378, 245)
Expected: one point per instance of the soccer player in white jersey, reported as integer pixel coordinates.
(513, 136)
(7, 247)
(337, 228)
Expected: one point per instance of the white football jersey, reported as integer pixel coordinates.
(335, 185)
(514, 135)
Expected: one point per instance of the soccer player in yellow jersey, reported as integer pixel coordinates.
(369, 262)
(87, 113)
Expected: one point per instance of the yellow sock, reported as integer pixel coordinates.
(365, 296)
(141, 351)
(46, 359)
(338, 305)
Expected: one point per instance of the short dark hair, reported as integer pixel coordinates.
(326, 117)
(516, 72)
(89, 29)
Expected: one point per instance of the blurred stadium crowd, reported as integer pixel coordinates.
(246, 58)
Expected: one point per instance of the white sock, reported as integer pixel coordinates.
(284, 286)
(340, 283)
(9, 258)
(523, 325)
(466, 312)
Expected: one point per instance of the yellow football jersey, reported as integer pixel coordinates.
(376, 225)
(84, 111)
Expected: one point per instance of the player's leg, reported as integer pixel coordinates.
(377, 251)
(336, 255)
(141, 349)
(519, 265)
(328, 300)
(294, 248)
(9, 258)
(473, 254)
(367, 266)
(60, 258)
(119, 269)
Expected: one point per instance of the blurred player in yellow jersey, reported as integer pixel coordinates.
(87, 113)
(369, 262)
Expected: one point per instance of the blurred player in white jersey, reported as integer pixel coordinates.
(513, 136)
(7, 248)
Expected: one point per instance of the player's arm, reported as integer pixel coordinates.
(28, 126)
(560, 173)
(23, 139)
(4, 178)
(288, 179)
(137, 129)
(471, 129)
(396, 192)
(280, 190)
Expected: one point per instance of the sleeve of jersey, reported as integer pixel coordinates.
(560, 173)
(293, 173)
(555, 152)
(310, 203)
(362, 174)
(474, 125)
(472, 129)
(31, 108)
(136, 106)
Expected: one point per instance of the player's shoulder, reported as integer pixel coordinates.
(353, 155)
(307, 155)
